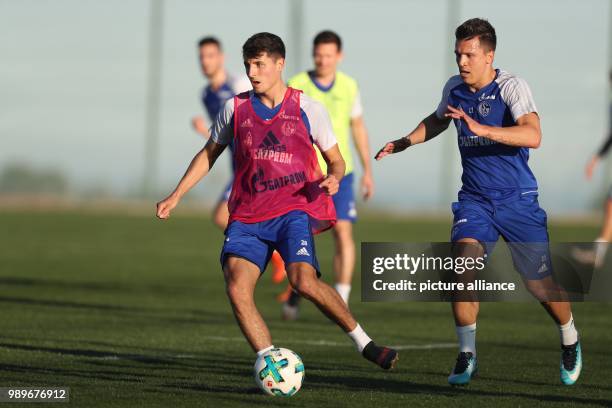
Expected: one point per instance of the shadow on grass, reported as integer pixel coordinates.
(215, 375)
(242, 396)
(160, 314)
(553, 348)
(129, 288)
(353, 383)
(135, 361)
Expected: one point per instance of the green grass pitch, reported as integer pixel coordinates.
(129, 311)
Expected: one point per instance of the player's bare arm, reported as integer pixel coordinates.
(198, 168)
(429, 128)
(335, 170)
(526, 133)
(199, 125)
(590, 167)
(360, 136)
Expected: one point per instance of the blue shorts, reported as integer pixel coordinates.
(225, 195)
(344, 200)
(519, 220)
(290, 234)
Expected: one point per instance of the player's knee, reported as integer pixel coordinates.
(545, 290)
(468, 248)
(302, 278)
(235, 291)
(536, 291)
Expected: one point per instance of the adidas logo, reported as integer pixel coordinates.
(303, 252)
(271, 149)
(269, 141)
(543, 268)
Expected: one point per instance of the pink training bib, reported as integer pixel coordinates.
(276, 166)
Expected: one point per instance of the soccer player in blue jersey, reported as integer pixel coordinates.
(597, 255)
(497, 123)
(221, 87)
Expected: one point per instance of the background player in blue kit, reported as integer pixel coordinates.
(597, 255)
(221, 87)
(497, 122)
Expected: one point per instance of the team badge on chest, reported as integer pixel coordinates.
(484, 108)
(288, 128)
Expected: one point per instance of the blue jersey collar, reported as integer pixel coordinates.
(321, 87)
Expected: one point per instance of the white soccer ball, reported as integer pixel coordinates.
(279, 372)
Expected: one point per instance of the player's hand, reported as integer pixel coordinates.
(330, 185)
(199, 125)
(590, 167)
(165, 206)
(367, 186)
(395, 146)
(475, 127)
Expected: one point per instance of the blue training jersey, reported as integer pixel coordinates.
(491, 168)
(214, 100)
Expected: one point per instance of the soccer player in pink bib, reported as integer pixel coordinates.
(280, 197)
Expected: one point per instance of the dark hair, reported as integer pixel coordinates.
(327, 37)
(259, 43)
(210, 40)
(477, 27)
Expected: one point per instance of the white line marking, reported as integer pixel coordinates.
(317, 343)
(330, 343)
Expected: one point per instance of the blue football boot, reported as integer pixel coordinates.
(465, 368)
(571, 363)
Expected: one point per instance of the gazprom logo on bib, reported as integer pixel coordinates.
(284, 116)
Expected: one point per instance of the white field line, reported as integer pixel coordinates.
(317, 343)
(330, 343)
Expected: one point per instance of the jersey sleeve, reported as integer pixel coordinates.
(240, 84)
(450, 84)
(321, 128)
(517, 96)
(357, 109)
(222, 129)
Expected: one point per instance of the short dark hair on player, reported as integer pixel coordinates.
(477, 27)
(327, 37)
(209, 40)
(259, 43)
